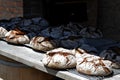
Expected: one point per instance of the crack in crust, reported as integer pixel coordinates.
(16, 36)
(59, 59)
(42, 43)
(91, 64)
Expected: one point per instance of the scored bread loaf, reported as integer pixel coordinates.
(91, 64)
(3, 31)
(16, 37)
(59, 58)
(42, 43)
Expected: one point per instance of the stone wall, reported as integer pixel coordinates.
(11, 8)
(109, 18)
(20, 8)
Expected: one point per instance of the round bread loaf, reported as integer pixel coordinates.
(59, 58)
(42, 43)
(3, 31)
(91, 65)
(16, 37)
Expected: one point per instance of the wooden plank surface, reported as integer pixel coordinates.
(33, 59)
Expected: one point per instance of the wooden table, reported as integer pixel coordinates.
(29, 57)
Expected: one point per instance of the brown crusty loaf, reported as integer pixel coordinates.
(90, 64)
(17, 37)
(42, 43)
(3, 31)
(59, 58)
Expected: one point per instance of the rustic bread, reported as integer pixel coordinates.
(59, 58)
(42, 43)
(16, 37)
(3, 31)
(90, 64)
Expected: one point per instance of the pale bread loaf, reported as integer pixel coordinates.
(91, 64)
(17, 37)
(59, 58)
(42, 43)
(3, 31)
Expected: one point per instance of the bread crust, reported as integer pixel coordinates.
(59, 58)
(91, 64)
(17, 37)
(3, 31)
(42, 43)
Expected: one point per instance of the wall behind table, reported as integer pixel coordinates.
(109, 18)
(11, 8)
